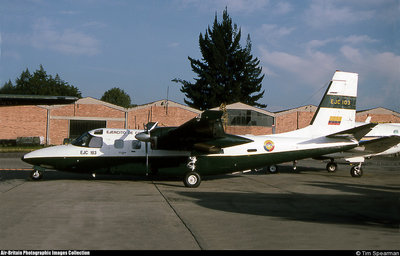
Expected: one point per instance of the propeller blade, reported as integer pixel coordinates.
(153, 125)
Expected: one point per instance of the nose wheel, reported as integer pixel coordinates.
(36, 174)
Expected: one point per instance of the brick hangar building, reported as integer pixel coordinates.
(54, 123)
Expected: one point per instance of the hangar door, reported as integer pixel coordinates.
(78, 127)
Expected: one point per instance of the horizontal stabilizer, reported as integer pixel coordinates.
(380, 144)
(355, 133)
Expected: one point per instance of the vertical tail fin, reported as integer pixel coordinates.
(337, 110)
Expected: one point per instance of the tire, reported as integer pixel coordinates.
(356, 172)
(331, 167)
(36, 175)
(192, 180)
(272, 169)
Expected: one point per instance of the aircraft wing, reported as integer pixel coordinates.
(355, 133)
(380, 144)
(204, 134)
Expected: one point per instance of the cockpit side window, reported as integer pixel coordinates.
(82, 141)
(87, 140)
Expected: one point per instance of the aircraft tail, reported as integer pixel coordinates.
(337, 109)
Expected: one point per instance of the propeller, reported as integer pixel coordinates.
(146, 137)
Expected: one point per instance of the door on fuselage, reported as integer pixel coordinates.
(127, 157)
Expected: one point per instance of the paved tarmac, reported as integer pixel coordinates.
(306, 209)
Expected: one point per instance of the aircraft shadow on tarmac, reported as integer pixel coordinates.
(289, 169)
(365, 206)
(354, 204)
(59, 175)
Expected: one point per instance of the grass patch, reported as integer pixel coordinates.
(16, 149)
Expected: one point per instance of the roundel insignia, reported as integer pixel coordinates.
(269, 145)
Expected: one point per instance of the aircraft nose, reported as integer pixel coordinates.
(27, 158)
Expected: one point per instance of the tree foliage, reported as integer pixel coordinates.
(40, 83)
(227, 73)
(117, 97)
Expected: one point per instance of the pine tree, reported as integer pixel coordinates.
(227, 72)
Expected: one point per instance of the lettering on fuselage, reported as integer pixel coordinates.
(88, 152)
(119, 132)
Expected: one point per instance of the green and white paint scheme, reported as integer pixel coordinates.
(201, 147)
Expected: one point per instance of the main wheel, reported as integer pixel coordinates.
(273, 169)
(36, 175)
(331, 167)
(356, 171)
(192, 180)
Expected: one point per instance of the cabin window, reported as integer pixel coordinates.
(96, 142)
(136, 144)
(98, 132)
(119, 144)
(396, 132)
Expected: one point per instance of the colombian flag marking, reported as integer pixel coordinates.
(335, 120)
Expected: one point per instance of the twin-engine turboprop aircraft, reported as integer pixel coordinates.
(201, 146)
(383, 139)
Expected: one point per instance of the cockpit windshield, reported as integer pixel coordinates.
(87, 140)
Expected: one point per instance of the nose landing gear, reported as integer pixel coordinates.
(37, 173)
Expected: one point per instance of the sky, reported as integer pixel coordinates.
(140, 46)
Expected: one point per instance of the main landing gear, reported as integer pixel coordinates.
(274, 169)
(331, 166)
(355, 171)
(192, 179)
